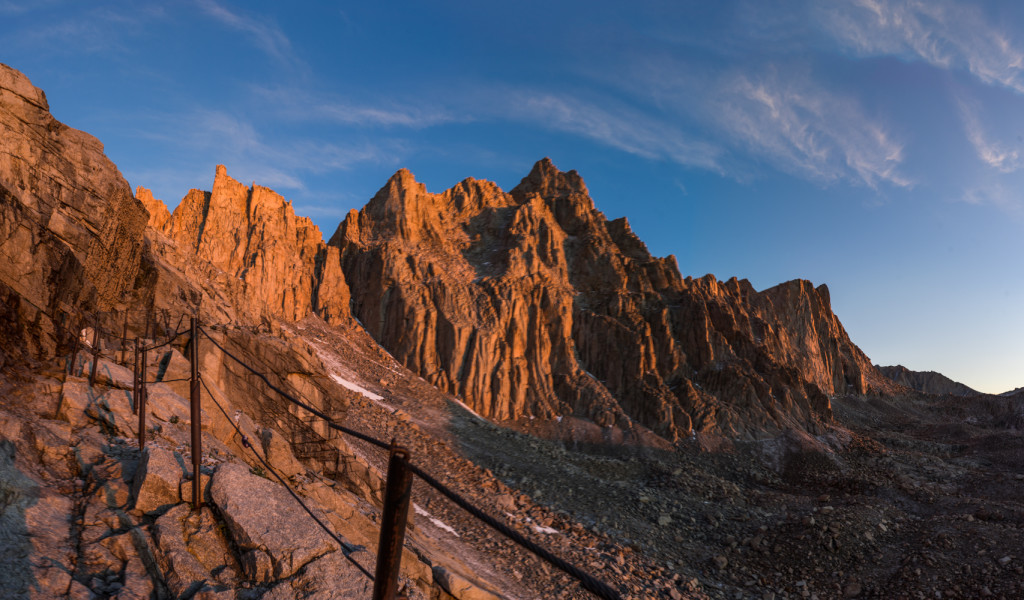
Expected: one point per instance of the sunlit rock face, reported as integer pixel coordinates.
(523, 303)
(254, 234)
(70, 228)
(532, 303)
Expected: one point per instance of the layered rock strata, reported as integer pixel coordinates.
(70, 228)
(532, 303)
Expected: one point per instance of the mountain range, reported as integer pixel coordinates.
(679, 436)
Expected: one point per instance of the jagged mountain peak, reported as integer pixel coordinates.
(548, 181)
(513, 300)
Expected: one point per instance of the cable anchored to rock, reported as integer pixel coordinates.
(346, 548)
(589, 582)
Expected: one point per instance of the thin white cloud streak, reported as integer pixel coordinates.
(808, 131)
(294, 105)
(7, 7)
(772, 114)
(266, 36)
(999, 196)
(942, 33)
(95, 30)
(618, 127)
(997, 155)
(625, 129)
(272, 163)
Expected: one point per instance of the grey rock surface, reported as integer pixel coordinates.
(157, 480)
(262, 516)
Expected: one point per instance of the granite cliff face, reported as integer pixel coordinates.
(253, 234)
(532, 303)
(928, 382)
(525, 304)
(70, 228)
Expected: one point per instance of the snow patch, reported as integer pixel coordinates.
(356, 387)
(437, 522)
(469, 410)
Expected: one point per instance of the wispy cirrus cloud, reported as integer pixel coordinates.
(90, 29)
(610, 124)
(333, 109)
(997, 195)
(276, 163)
(942, 33)
(997, 154)
(807, 130)
(264, 35)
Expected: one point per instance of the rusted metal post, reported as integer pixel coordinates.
(124, 339)
(397, 496)
(74, 348)
(196, 413)
(142, 399)
(135, 379)
(95, 349)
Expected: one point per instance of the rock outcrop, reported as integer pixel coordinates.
(532, 303)
(159, 216)
(70, 228)
(274, 539)
(928, 382)
(252, 233)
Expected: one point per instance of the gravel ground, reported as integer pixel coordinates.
(912, 497)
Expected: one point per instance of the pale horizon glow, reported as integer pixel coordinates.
(876, 146)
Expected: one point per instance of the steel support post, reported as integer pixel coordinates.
(124, 339)
(135, 379)
(74, 349)
(397, 496)
(196, 413)
(142, 399)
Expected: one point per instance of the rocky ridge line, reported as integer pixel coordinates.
(512, 301)
(254, 235)
(928, 382)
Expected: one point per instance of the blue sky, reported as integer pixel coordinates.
(873, 145)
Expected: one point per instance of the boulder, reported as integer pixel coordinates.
(111, 374)
(112, 410)
(75, 399)
(278, 452)
(262, 516)
(157, 480)
(190, 549)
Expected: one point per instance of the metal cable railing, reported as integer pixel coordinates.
(587, 581)
(346, 548)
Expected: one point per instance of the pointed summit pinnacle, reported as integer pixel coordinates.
(545, 179)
